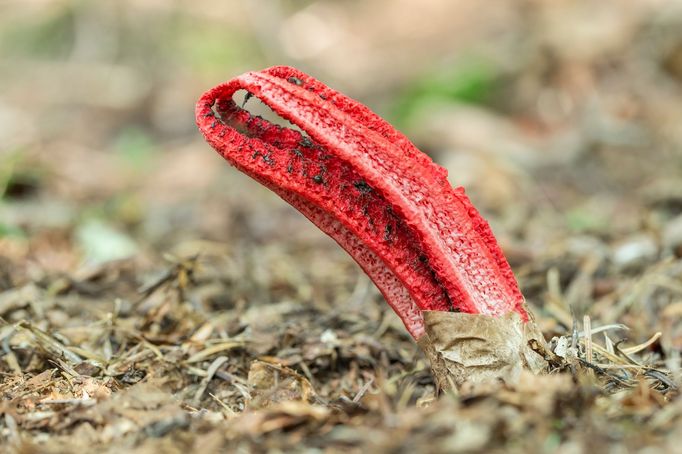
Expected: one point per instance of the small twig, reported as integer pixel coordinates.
(587, 326)
(229, 411)
(603, 372)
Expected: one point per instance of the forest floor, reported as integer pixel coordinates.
(152, 299)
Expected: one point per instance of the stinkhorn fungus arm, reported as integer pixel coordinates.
(368, 187)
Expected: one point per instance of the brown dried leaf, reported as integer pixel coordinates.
(273, 383)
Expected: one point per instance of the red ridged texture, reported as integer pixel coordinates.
(368, 187)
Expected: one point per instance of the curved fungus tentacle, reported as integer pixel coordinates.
(368, 187)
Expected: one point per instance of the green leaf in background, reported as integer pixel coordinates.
(212, 50)
(136, 147)
(470, 81)
(584, 219)
(11, 231)
(46, 35)
(101, 242)
(19, 176)
(7, 164)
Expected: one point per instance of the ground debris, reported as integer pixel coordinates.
(212, 317)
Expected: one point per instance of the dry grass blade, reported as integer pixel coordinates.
(643, 345)
(212, 350)
(49, 344)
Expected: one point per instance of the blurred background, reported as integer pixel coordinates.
(127, 241)
(562, 119)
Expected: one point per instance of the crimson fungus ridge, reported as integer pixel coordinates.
(368, 187)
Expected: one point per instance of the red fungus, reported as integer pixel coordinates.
(368, 187)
